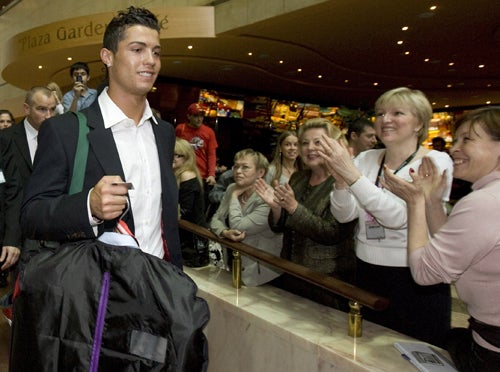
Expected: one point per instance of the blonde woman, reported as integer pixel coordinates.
(191, 203)
(56, 91)
(402, 121)
(301, 210)
(242, 216)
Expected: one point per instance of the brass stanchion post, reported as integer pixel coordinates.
(355, 320)
(236, 269)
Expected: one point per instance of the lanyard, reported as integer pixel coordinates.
(404, 164)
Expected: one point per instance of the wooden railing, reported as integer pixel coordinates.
(347, 290)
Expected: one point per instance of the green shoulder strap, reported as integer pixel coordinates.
(82, 150)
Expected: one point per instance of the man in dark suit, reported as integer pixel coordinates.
(18, 145)
(126, 143)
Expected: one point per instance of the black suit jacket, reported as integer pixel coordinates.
(50, 213)
(13, 140)
(17, 168)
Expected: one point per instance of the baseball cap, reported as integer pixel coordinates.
(195, 109)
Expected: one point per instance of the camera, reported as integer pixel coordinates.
(79, 78)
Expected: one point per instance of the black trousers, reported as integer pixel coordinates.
(422, 312)
(467, 355)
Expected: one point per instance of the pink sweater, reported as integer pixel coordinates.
(466, 251)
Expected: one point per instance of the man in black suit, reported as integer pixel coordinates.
(126, 143)
(18, 145)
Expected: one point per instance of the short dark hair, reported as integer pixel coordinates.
(115, 31)
(439, 140)
(358, 126)
(7, 112)
(78, 66)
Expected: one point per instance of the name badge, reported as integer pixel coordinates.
(374, 230)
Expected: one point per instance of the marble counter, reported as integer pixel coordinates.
(267, 329)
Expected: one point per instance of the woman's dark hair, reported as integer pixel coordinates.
(487, 117)
(115, 31)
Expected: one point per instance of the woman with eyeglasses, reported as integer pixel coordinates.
(191, 203)
(242, 216)
(300, 209)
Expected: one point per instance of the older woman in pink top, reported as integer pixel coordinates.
(463, 248)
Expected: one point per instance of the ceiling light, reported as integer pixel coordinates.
(481, 66)
(320, 76)
(375, 84)
(488, 85)
(434, 7)
(426, 60)
(446, 106)
(69, 58)
(40, 67)
(281, 61)
(451, 63)
(449, 85)
(433, 103)
(190, 47)
(407, 52)
(404, 28)
(488, 102)
(250, 53)
(346, 81)
(400, 42)
(299, 70)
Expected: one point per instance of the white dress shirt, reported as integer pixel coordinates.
(139, 158)
(31, 137)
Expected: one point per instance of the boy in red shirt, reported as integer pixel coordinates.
(202, 139)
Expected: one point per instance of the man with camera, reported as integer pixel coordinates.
(81, 96)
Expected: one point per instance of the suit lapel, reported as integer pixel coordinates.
(21, 142)
(161, 138)
(102, 144)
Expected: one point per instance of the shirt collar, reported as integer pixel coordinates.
(113, 115)
(30, 131)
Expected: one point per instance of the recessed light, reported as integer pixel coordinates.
(400, 42)
(426, 60)
(481, 66)
(40, 67)
(69, 58)
(250, 53)
(434, 103)
(190, 47)
(404, 28)
(488, 85)
(281, 62)
(375, 84)
(299, 70)
(320, 76)
(434, 7)
(488, 102)
(446, 106)
(451, 63)
(407, 52)
(449, 85)
(346, 81)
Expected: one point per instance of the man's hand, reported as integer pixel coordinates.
(79, 89)
(107, 201)
(9, 256)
